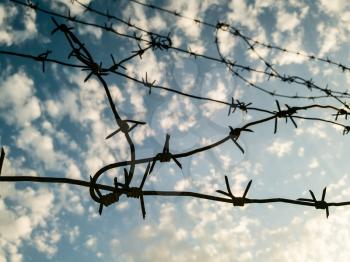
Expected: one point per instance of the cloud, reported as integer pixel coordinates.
(18, 103)
(46, 242)
(29, 210)
(207, 239)
(91, 242)
(75, 8)
(311, 237)
(96, 32)
(336, 6)
(179, 113)
(280, 148)
(41, 147)
(73, 234)
(9, 34)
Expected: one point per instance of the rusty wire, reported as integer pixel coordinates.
(80, 52)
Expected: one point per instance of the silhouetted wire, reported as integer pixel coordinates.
(80, 52)
(290, 79)
(274, 74)
(238, 33)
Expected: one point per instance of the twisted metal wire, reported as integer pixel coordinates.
(80, 52)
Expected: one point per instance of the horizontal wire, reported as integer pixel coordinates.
(80, 52)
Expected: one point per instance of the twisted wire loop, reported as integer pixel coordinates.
(147, 41)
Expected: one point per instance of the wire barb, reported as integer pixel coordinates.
(148, 84)
(284, 114)
(43, 57)
(319, 204)
(235, 133)
(156, 41)
(124, 127)
(165, 156)
(2, 157)
(236, 201)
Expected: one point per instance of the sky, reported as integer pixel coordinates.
(53, 124)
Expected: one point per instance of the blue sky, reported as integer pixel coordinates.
(55, 124)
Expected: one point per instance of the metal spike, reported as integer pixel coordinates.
(143, 209)
(222, 192)
(2, 157)
(278, 106)
(112, 134)
(133, 126)
(126, 176)
(88, 76)
(115, 184)
(228, 186)
(153, 164)
(166, 144)
(145, 175)
(312, 195)
(240, 148)
(295, 124)
(275, 126)
(231, 106)
(100, 209)
(247, 188)
(98, 192)
(324, 193)
(177, 162)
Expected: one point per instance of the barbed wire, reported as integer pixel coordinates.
(235, 31)
(232, 64)
(80, 52)
(308, 83)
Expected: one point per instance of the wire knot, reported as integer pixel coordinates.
(235, 133)
(148, 84)
(165, 156)
(160, 42)
(236, 201)
(346, 130)
(319, 204)
(285, 114)
(134, 192)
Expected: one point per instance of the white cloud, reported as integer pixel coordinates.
(182, 185)
(73, 234)
(219, 92)
(208, 239)
(335, 6)
(8, 33)
(280, 148)
(91, 242)
(73, 171)
(41, 147)
(18, 103)
(29, 210)
(96, 32)
(314, 163)
(46, 242)
(330, 38)
(70, 200)
(179, 113)
(74, 8)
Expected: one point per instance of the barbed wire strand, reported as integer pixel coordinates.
(284, 78)
(238, 33)
(80, 52)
